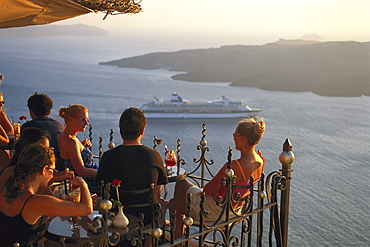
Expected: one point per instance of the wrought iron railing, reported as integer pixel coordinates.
(233, 227)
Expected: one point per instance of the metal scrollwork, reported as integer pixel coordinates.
(180, 161)
(138, 239)
(203, 162)
(100, 146)
(111, 143)
(105, 205)
(90, 135)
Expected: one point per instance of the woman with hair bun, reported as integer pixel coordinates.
(77, 155)
(23, 210)
(247, 135)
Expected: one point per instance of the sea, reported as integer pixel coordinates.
(330, 135)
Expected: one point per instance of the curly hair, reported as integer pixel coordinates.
(31, 161)
(71, 111)
(252, 128)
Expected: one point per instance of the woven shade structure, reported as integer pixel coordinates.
(20, 13)
(111, 6)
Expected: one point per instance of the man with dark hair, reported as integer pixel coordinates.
(40, 106)
(135, 165)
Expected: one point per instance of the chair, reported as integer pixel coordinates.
(142, 192)
(156, 210)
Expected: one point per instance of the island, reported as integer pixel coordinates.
(336, 68)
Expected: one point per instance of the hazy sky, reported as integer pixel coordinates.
(239, 21)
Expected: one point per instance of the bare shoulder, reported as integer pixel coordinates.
(68, 143)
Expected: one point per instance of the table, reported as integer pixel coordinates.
(174, 177)
(58, 231)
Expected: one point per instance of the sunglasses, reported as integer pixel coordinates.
(2, 102)
(84, 119)
(236, 135)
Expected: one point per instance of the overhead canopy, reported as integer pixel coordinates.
(20, 13)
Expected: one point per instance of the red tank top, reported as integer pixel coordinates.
(244, 192)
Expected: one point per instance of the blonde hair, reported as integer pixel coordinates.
(71, 111)
(252, 128)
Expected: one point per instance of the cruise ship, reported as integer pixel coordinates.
(179, 108)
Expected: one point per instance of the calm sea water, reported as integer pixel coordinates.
(330, 135)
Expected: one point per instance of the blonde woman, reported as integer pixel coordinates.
(247, 134)
(77, 155)
(23, 209)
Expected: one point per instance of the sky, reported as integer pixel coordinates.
(229, 22)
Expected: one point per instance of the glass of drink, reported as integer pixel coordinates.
(17, 129)
(170, 160)
(74, 196)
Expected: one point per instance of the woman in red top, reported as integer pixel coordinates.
(247, 134)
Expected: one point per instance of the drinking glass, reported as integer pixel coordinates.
(17, 129)
(74, 196)
(170, 160)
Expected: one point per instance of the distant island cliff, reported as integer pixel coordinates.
(324, 68)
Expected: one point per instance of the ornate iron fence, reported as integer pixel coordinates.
(268, 202)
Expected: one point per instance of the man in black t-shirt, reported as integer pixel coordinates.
(135, 165)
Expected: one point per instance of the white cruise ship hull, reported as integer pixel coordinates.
(165, 115)
(178, 108)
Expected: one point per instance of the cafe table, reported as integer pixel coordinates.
(174, 176)
(58, 231)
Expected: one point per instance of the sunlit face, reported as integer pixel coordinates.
(237, 138)
(44, 141)
(50, 171)
(81, 121)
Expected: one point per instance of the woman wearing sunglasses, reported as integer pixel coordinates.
(77, 155)
(247, 135)
(23, 210)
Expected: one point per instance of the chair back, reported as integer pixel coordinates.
(149, 191)
(157, 213)
(147, 207)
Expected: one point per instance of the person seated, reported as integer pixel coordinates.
(29, 136)
(4, 121)
(77, 155)
(40, 106)
(23, 210)
(135, 165)
(247, 134)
